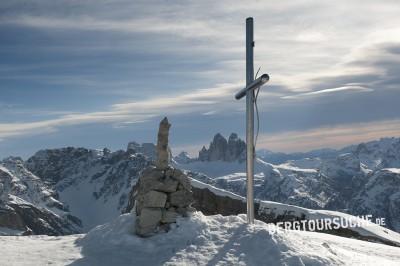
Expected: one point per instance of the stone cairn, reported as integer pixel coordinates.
(163, 193)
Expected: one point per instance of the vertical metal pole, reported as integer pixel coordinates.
(250, 120)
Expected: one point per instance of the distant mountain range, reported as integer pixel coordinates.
(70, 190)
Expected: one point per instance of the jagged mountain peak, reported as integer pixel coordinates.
(382, 153)
(147, 149)
(233, 137)
(221, 149)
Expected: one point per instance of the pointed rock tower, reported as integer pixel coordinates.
(162, 193)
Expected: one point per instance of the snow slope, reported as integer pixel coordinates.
(198, 240)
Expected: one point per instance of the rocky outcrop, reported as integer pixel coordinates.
(220, 149)
(31, 220)
(383, 153)
(236, 149)
(28, 205)
(162, 193)
(211, 203)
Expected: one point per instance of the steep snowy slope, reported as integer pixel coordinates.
(381, 196)
(198, 240)
(94, 184)
(27, 205)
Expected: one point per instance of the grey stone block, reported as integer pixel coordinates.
(169, 217)
(147, 222)
(168, 185)
(181, 198)
(154, 199)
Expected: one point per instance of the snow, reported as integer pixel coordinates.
(84, 205)
(371, 229)
(197, 240)
(2, 168)
(39, 250)
(290, 167)
(393, 170)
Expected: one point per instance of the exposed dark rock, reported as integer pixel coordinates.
(32, 220)
(222, 150)
(21, 193)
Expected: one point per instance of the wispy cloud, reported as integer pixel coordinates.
(187, 28)
(353, 88)
(210, 113)
(198, 101)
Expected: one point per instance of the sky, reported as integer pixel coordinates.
(102, 73)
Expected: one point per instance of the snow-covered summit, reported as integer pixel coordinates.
(197, 240)
(183, 158)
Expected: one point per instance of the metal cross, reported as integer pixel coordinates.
(248, 91)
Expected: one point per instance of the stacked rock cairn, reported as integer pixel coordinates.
(163, 193)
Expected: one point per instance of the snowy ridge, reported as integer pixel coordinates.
(275, 209)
